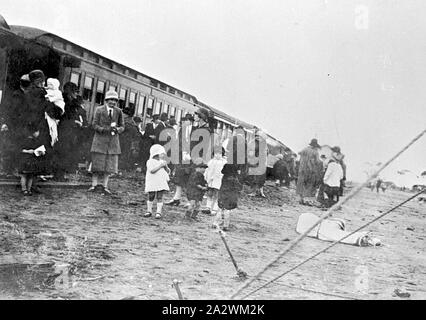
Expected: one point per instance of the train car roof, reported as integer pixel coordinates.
(31, 33)
(34, 34)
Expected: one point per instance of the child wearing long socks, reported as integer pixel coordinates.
(229, 194)
(213, 176)
(156, 179)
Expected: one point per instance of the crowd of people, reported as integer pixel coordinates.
(42, 129)
(45, 131)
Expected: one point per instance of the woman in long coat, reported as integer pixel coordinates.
(70, 133)
(34, 114)
(108, 123)
(194, 139)
(310, 171)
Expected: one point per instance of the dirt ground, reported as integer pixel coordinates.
(68, 244)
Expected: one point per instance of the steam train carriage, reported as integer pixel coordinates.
(23, 49)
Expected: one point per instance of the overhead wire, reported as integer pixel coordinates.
(334, 243)
(326, 215)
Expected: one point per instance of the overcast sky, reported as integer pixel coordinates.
(350, 73)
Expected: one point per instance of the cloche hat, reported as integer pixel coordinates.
(155, 150)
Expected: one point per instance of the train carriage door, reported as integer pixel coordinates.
(132, 103)
(22, 57)
(158, 107)
(140, 112)
(149, 110)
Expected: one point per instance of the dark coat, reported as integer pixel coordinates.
(157, 131)
(310, 172)
(280, 170)
(36, 106)
(197, 135)
(192, 191)
(29, 163)
(149, 131)
(71, 137)
(103, 141)
(130, 143)
(229, 192)
(34, 115)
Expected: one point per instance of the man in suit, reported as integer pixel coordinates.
(150, 128)
(108, 123)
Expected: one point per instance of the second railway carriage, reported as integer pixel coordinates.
(23, 49)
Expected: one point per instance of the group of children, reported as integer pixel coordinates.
(217, 179)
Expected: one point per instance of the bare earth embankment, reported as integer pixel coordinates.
(68, 244)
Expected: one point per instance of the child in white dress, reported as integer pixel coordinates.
(213, 176)
(156, 179)
(54, 94)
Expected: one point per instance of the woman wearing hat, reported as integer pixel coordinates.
(108, 123)
(36, 110)
(71, 133)
(202, 129)
(310, 171)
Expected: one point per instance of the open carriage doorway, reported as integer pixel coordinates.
(21, 57)
(23, 60)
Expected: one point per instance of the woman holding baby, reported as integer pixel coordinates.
(43, 111)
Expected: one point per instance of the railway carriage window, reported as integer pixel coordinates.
(158, 107)
(141, 105)
(166, 108)
(88, 88)
(172, 91)
(179, 115)
(122, 98)
(163, 87)
(172, 111)
(150, 107)
(132, 102)
(75, 78)
(100, 92)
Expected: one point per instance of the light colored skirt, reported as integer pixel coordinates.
(104, 163)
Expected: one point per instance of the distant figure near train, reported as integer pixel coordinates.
(310, 171)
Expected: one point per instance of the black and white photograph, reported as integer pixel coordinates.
(215, 150)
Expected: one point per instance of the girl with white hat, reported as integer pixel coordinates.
(156, 179)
